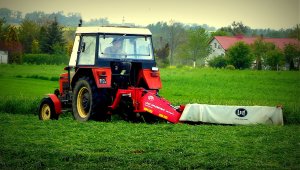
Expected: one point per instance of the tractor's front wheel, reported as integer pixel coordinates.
(46, 110)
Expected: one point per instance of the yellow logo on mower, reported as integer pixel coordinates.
(148, 110)
(163, 116)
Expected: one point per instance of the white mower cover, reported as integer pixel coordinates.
(240, 115)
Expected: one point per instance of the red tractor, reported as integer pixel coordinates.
(112, 70)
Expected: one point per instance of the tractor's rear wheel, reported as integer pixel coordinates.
(82, 100)
(87, 100)
(46, 110)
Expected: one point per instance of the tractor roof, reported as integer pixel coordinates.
(114, 30)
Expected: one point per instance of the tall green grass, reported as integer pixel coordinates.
(180, 86)
(27, 143)
(23, 86)
(20, 105)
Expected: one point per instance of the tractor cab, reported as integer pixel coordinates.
(122, 54)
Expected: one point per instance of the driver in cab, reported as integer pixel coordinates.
(116, 50)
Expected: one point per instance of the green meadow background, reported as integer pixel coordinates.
(28, 143)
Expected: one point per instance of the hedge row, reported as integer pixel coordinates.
(45, 59)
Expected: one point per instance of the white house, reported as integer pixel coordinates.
(220, 44)
(3, 57)
(217, 49)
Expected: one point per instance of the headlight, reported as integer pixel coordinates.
(154, 69)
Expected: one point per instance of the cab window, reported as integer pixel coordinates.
(87, 50)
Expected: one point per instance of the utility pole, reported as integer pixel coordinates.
(123, 21)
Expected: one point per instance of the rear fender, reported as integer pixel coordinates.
(63, 82)
(56, 103)
(151, 78)
(102, 77)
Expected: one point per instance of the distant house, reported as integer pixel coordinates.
(220, 44)
(3, 57)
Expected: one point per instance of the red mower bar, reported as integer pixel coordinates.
(159, 107)
(148, 101)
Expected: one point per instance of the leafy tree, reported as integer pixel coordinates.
(225, 30)
(51, 37)
(12, 35)
(295, 32)
(197, 45)
(43, 39)
(55, 35)
(291, 52)
(58, 49)
(259, 50)
(69, 34)
(239, 28)
(236, 28)
(13, 46)
(159, 34)
(97, 22)
(71, 19)
(69, 47)
(35, 47)
(176, 34)
(5, 13)
(163, 54)
(10, 15)
(3, 29)
(220, 32)
(218, 62)
(29, 31)
(274, 59)
(239, 55)
(37, 17)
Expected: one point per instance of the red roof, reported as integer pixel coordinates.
(227, 41)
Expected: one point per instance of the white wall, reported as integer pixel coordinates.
(3, 57)
(216, 49)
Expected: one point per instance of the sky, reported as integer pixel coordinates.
(275, 14)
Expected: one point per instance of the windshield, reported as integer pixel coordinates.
(122, 46)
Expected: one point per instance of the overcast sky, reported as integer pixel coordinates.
(274, 14)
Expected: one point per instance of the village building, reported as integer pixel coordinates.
(220, 44)
(3, 57)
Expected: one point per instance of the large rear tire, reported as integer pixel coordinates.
(46, 110)
(87, 101)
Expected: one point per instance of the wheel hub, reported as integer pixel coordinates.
(46, 112)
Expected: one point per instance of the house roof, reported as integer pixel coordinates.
(227, 41)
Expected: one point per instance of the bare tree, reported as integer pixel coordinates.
(176, 36)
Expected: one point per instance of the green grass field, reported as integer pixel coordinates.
(27, 143)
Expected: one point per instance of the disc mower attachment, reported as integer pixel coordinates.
(233, 115)
(159, 107)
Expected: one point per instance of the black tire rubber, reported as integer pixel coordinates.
(93, 105)
(46, 110)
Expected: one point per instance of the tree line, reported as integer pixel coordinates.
(179, 44)
(175, 43)
(33, 38)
